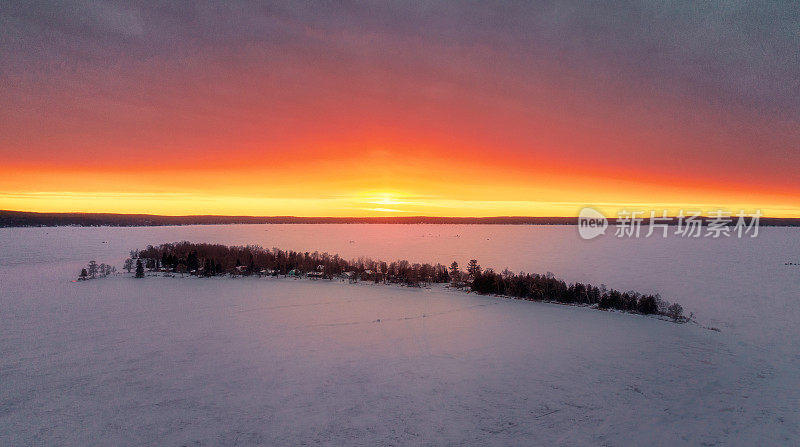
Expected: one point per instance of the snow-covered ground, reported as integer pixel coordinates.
(248, 361)
(170, 361)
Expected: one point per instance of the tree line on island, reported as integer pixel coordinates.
(208, 260)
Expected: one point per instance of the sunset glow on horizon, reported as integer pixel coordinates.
(383, 110)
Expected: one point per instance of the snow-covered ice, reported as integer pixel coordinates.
(249, 361)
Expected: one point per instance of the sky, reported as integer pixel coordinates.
(399, 108)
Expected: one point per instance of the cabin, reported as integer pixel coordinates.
(351, 276)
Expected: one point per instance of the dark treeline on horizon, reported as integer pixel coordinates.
(32, 219)
(208, 260)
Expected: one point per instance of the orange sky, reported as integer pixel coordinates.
(313, 116)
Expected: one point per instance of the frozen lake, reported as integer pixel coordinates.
(167, 361)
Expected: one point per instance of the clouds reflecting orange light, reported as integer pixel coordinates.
(315, 116)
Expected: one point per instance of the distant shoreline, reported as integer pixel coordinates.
(33, 219)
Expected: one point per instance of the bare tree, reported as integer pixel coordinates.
(93, 269)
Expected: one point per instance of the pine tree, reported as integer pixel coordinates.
(192, 262)
(455, 274)
(139, 269)
(473, 268)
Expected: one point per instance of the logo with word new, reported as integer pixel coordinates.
(591, 223)
(718, 223)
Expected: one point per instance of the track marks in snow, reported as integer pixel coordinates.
(324, 303)
(412, 317)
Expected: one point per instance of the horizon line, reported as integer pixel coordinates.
(12, 218)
